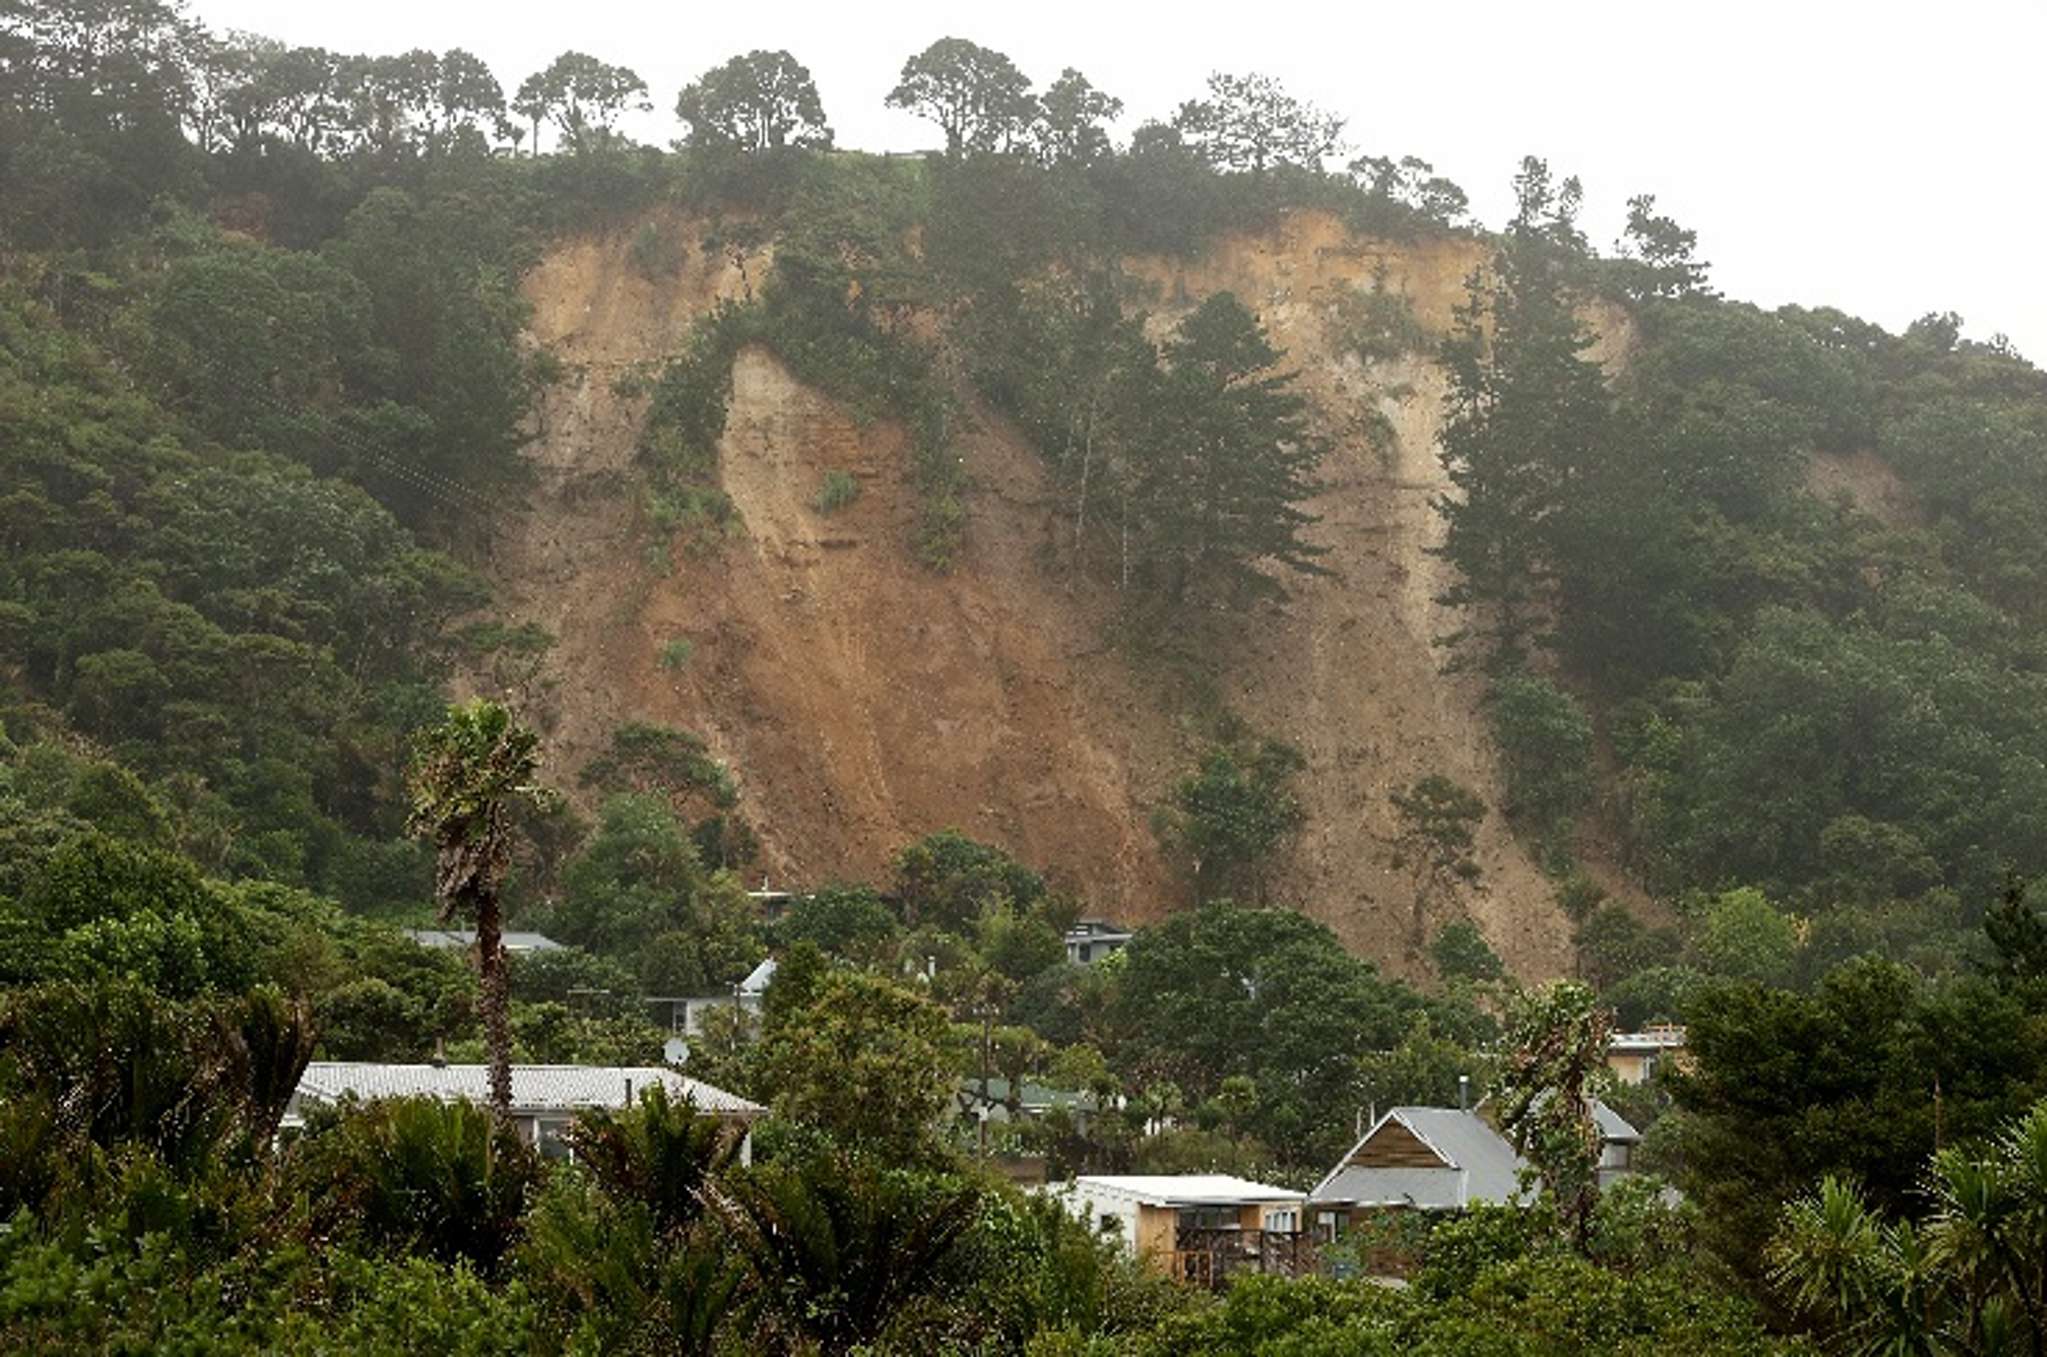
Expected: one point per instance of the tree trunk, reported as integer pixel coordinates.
(491, 981)
(1087, 460)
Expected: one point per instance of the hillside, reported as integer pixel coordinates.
(865, 701)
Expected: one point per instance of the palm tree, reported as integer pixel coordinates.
(467, 773)
(1972, 1281)
(839, 1245)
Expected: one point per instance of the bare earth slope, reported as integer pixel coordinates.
(864, 701)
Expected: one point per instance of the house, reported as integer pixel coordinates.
(1092, 939)
(1444, 1159)
(683, 1015)
(990, 1104)
(545, 1098)
(1634, 1056)
(463, 939)
(1196, 1227)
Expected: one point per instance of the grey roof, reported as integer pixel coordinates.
(1613, 1127)
(466, 937)
(758, 979)
(1034, 1095)
(1479, 1163)
(535, 1088)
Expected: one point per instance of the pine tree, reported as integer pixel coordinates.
(1229, 457)
(1527, 413)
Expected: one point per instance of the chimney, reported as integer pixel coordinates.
(629, 1091)
(1463, 1093)
(440, 1056)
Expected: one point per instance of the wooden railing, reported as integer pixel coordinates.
(1211, 1257)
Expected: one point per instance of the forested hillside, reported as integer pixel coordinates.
(1219, 531)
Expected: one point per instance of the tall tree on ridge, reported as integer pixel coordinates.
(978, 97)
(756, 103)
(582, 96)
(1527, 412)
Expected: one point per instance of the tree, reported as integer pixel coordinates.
(582, 96)
(1970, 1281)
(1460, 952)
(661, 1152)
(468, 103)
(978, 97)
(1234, 814)
(1556, 1040)
(1438, 832)
(1072, 122)
(865, 1060)
(756, 103)
(1860, 1078)
(1656, 258)
(1742, 936)
(468, 774)
(1268, 994)
(1527, 413)
(1250, 122)
(1228, 458)
(1412, 185)
(949, 880)
(840, 1244)
(1545, 742)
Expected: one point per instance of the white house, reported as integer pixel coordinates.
(683, 1015)
(1089, 940)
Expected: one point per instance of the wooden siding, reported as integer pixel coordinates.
(1393, 1146)
(1156, 1226)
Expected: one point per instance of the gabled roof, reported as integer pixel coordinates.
(1475, 1162)
(1186, 1189)
(1613, 1127)
(758, 979)
(535, 1088)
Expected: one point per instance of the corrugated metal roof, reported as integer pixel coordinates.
(535, 1088)
(1481, 1165)
(1189, 1189)
(466, 937)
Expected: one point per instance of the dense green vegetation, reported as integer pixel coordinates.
(263, 383)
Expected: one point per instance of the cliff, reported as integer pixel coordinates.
(864, 701)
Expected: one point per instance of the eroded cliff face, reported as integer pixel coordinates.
(864, 701)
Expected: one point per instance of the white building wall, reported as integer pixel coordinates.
(1092, 1206)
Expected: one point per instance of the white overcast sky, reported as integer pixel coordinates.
(1886, 158)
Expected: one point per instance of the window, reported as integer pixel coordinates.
(1326, 1225)
(1287, 1221)
(1109, 1225)
(1208, 1217)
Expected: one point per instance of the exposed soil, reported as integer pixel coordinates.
(1865, 481)
(864, 701)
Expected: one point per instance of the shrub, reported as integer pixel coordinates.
(1545, 742)
(838, 490)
